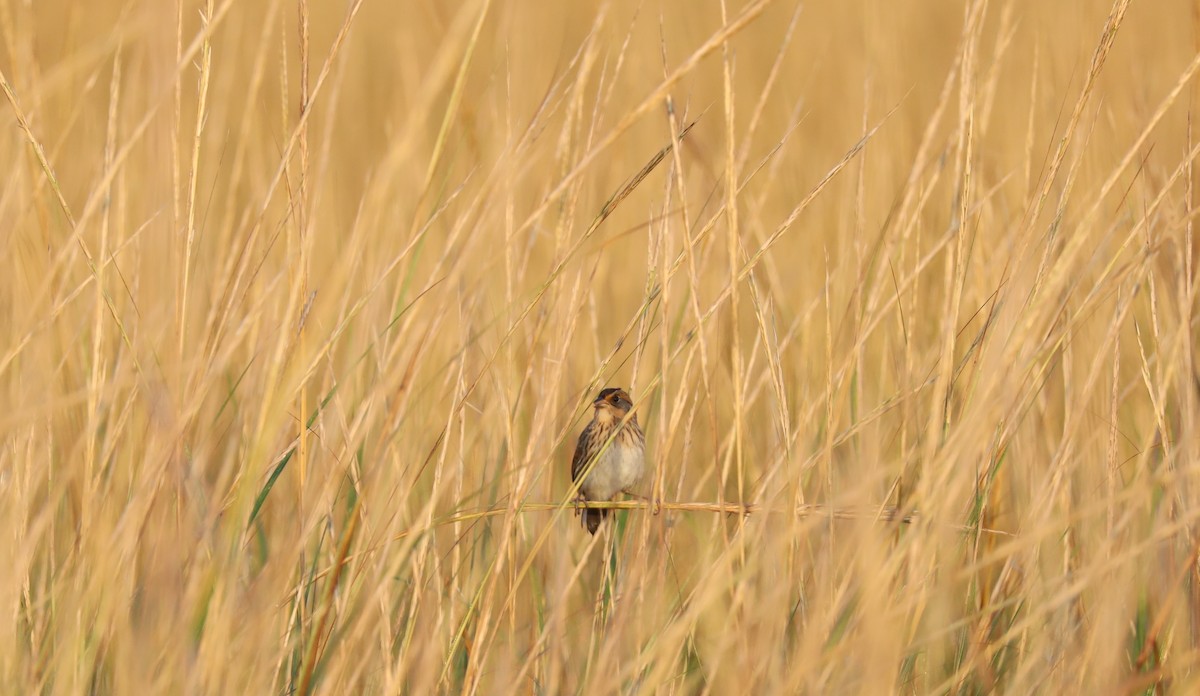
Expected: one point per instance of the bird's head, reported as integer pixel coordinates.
(612, 405)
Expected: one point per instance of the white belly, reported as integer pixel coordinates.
(619, 469)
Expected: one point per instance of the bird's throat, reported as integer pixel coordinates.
(605, 416)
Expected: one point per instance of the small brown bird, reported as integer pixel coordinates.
(620, 467)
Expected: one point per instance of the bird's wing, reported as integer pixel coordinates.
(580, 460)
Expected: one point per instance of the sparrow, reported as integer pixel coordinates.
(618, 468)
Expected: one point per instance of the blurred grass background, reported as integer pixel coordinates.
(303, 302)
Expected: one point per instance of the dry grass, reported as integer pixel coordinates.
(303, 304)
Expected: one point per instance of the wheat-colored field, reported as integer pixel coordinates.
(304, 303)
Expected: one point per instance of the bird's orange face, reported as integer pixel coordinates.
(612, 405)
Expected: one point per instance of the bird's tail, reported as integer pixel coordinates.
(592, 517)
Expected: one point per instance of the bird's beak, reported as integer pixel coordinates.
(598, 403)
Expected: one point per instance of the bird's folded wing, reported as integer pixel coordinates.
(580, 460)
